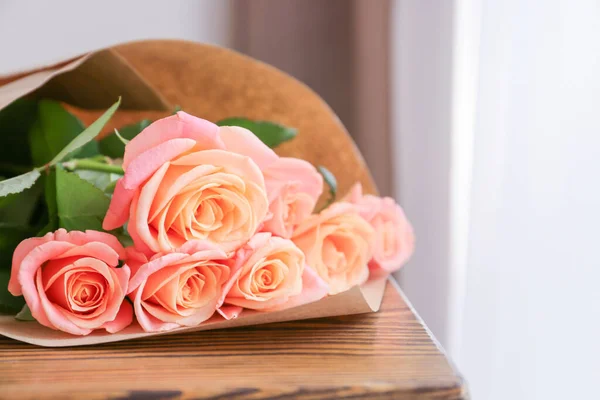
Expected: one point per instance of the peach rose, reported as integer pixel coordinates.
(293, 187)
(180, 288)
(271, 275)
(338, 244)
(394, 237)
(187, 179)
(71, 282)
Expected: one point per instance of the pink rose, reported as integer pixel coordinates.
(71, 281)
(338, 244)
(395, 240)
(187, 179)
(180, 288)
(293, 187)
(271, 275)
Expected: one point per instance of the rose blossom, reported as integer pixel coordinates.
(338, 244)
(293, 187)
(180, 288)
(187, 179)
(395, 240)
(71, 282)
(271, 275)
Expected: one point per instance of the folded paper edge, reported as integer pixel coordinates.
(88, 68)
(373, 292)
(27, 82)
(358, 300)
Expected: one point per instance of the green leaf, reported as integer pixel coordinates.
(88, 150)
(270, 133)
(98, 178)
(330, 180)
(50, 201)
(50, 193)
(123, 236)
(113, 147)
(87, 135)
(15, 122)
(18, 208)
(121, 138)
(110, 189)
(10, 237)
(18, 183)
(9, 304)
(24, 314)
(80, 204)
(52, 130)
(50, 226)
(21, 215)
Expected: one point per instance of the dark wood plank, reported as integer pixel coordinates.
(388, 354)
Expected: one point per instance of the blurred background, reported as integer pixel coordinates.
(480, 116)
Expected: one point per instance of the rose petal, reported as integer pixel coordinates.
(182, 125)
(138, 226)
(108, 239)
(195, 246)
(140, 245)
(54, 317)
(237, 164)
(28, 270)
(313, 289)
(264, 254)
(395, 237)
(96, 250)
(123, 319)
(81, 238)
(139, 170)
(258, 241)
(276, 224)
(355, 193)
(176, 182)
(134, 259)
(22, 250)
(163, 280)
(332, 211)
(148, 322)
(118, 209)
(147, 269)
(230, 312)
(301, 171)
(236, 270)
(242, 141)
(116, 279)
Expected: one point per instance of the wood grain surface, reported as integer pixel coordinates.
(384, 355)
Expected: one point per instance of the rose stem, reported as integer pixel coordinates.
(91, 165)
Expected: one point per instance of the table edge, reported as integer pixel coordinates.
(462, 384)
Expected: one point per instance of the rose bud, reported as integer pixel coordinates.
(271, 275)
(293, 188)
(187, 179)
(71, 282)
(394, 237)
(179, 288)
(338, 244)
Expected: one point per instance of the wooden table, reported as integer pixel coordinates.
(389, 354)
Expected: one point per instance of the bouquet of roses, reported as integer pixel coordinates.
(173, 222)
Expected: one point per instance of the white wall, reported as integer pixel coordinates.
(422, 40)
(39, 32)
(532, 306)
(496, 121)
